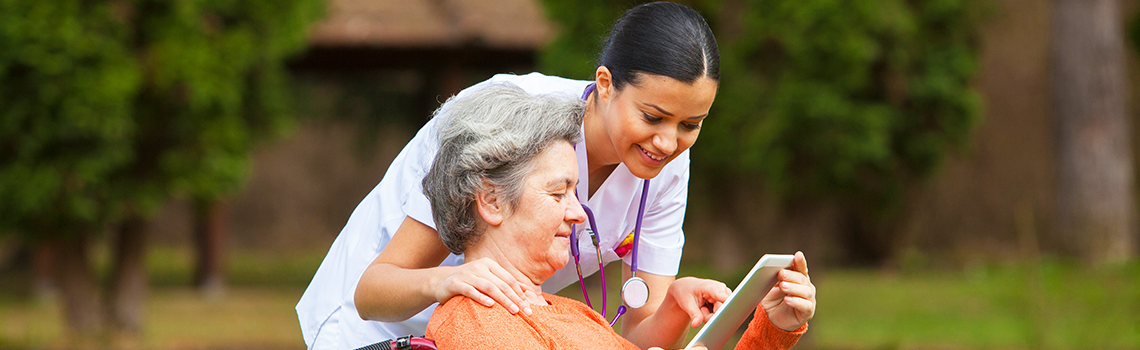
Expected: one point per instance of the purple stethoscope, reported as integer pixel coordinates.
(635, 291)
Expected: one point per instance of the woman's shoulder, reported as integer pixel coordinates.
(458, 308)
(572, 306)
(678, 167)
(536, 83)
(564, 302)
(462, 323)
(457, 314)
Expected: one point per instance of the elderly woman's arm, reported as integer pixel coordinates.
(406, 278)
(763, 335)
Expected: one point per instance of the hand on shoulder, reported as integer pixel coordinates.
(485, 282)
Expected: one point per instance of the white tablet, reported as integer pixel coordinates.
(740, 304)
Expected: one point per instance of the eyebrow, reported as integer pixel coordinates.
(659, 109)
(663, 111)
(569, 182)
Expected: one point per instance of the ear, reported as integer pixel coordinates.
(490, 205)
(604, 83)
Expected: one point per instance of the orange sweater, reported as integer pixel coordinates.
(463, 324)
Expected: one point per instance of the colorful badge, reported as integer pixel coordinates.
(626, 246)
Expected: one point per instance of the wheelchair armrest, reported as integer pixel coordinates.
(403, 343)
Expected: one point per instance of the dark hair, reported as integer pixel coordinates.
(661, 38)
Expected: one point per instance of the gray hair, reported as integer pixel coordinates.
(491, 136)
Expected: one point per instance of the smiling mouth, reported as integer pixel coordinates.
(650, 155)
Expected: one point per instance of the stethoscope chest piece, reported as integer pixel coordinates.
(635, 292)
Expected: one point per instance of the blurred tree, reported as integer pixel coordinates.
(1094, 146)
(217, 81)
(820, 100)
(582, 28)
(111, 107)
(67, 85)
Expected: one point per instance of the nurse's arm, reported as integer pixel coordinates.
(645, 326)
(406, 278)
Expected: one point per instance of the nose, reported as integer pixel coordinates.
(666, 140)
(575, 214)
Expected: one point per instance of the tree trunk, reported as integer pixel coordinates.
(209, 237)
(127, 288)
(43, 266)
(76, 282)
(1095, 206)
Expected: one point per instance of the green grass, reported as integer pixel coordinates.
(177, 318)
(1052, 305)
(173, 267)
(255, 311)
(1048, 306)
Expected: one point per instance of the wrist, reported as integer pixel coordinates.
(431, 285)
(788, 326)
(670, 310)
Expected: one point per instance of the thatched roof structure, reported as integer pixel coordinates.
(445, 45)
(412, 24)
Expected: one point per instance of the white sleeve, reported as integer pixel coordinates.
(421, 152)
(662, 238)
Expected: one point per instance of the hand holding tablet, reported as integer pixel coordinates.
(744, 299)
(791, 303)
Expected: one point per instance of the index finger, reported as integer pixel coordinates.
(514, 289)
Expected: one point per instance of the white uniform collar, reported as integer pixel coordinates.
(583, 168)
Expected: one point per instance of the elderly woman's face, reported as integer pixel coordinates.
(540, 226)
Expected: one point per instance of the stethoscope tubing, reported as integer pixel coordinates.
(574, 250)
(601, 267)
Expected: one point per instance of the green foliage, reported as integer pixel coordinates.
(842, 98)
(67, 81)
(583, 27)
(217, 82)
(1134, 32)
(113, 106)
(823, 98)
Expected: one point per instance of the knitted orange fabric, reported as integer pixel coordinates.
(463, 324)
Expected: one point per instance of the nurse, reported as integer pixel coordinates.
(655, 81)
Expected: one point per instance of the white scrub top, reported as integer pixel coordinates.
(327, 311)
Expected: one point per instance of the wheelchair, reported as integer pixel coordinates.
(406, 342)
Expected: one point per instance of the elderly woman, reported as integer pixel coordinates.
(502, 188)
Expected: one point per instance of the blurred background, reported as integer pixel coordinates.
(960, 173)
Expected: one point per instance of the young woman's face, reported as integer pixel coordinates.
(651, 123)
